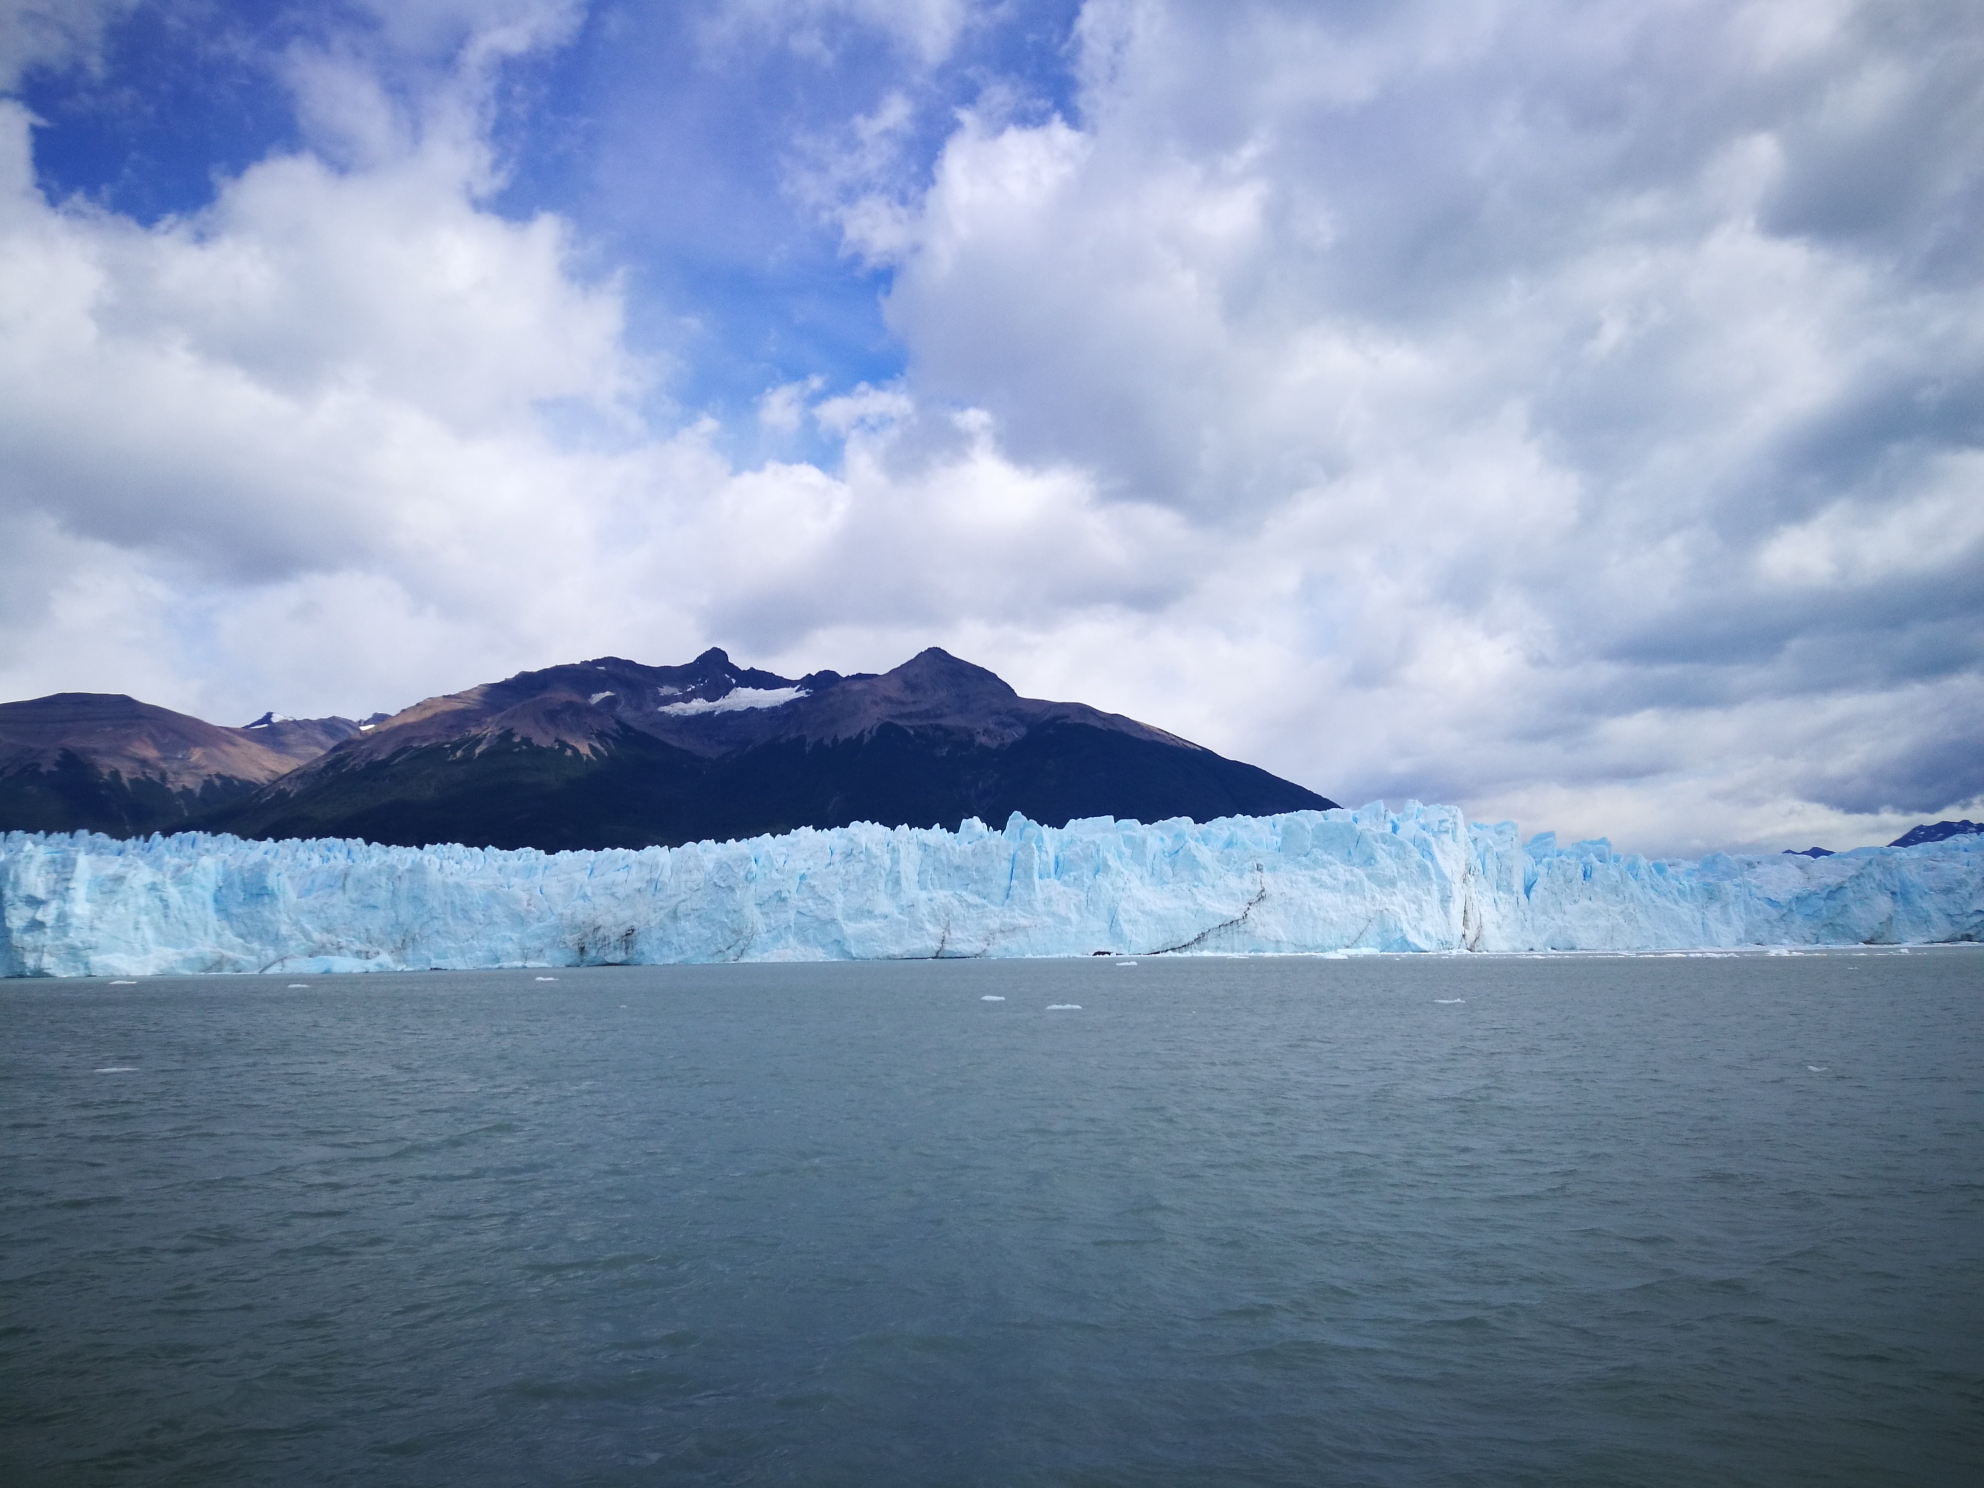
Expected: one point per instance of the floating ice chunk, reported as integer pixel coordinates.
(1126, 963)
(297, 987)
(1449, 1001)
(118, 1069)
(123, 984)
(547, 979)
(1818, 1069)
(991, 997)
(1064, 1007)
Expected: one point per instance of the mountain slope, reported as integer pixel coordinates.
(1940, 831)
(109, 763)
(300, 740)
(610, 753)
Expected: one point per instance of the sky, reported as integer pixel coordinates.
(1574, 412)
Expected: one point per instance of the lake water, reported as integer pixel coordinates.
(1390, 1220)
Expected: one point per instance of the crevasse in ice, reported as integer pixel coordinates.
(1420, 878)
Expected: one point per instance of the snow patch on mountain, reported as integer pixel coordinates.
(738, 699)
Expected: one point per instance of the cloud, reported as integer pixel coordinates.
(260, 382)
(347, 436)
(480, 29)
(1520, 405)
(329, 385)
(1563, 444)
(923, 30)
(53, 33)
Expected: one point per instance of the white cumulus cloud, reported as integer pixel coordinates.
(1514, 404)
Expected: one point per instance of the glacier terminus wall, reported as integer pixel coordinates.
(1420, 878)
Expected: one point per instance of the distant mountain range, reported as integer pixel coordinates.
(112, 764)
(1936, 832)
(1913, 837)
(611, 753)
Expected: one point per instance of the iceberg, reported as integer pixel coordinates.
(1419, 878)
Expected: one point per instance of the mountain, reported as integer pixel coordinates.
(1936, 832)
(301, 740)
(612, 753)
(109, 763)
(1926, 832)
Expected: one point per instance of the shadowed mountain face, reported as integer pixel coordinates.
(109, 763)
(1940, 831)
(610, 753)
(300, 740)
(1914, 837)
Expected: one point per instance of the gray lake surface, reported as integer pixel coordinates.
(1383, 1220)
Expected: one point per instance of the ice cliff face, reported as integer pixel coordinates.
(1419, 879)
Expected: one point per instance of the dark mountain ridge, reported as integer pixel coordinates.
(303, 739)
(612, 753)
(1940, 831)
(1915, 836)
(109, 763)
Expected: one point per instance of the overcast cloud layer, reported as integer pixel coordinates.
(1575, 412)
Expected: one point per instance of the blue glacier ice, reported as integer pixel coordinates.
(1420, 878)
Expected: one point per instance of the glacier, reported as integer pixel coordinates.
(1418, 878)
